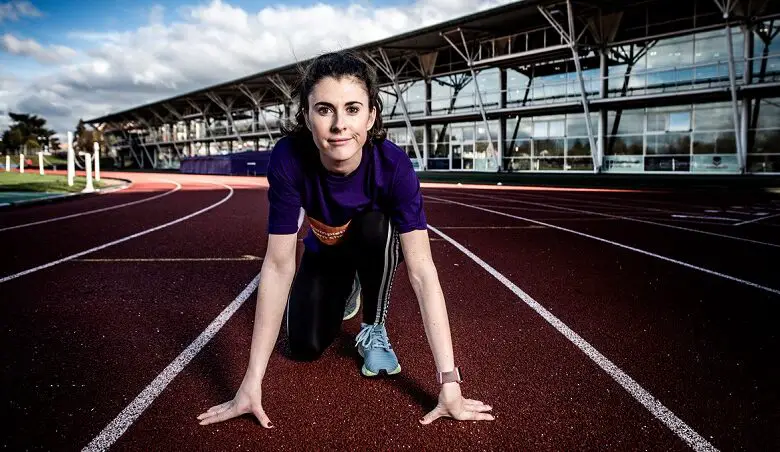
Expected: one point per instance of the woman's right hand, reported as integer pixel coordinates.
(248, 399)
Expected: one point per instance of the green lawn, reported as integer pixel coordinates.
(34, 182)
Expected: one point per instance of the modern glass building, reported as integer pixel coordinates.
(654, 86)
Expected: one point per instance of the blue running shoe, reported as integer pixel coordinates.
(353, 302)
(374, 346)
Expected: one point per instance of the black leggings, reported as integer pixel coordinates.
(370, 251)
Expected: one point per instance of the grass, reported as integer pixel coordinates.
(34, 182)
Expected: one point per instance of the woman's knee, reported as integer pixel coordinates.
(304, 349)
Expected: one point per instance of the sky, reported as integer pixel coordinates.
(71, 59)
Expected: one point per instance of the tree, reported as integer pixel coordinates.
(27, 133)
(84, 138)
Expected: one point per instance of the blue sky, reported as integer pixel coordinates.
(82, 59)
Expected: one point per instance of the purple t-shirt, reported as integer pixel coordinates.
(299, 185)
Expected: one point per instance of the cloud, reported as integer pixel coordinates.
(31, 48)
(15, 10)
(207, 44)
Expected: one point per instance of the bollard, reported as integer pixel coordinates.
(71, 160)
(96, 146)
(88, 165)
(21, 163)
(40, 162)
(7, 163)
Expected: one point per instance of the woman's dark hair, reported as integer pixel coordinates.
(344, 63)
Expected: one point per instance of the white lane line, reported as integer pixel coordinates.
(124, 239)
(246, 257)
(637, 220)
(631, 248)
(686, 433)
(757, 219)
(533, 226)
(89, 212)
(133, 411)
(705, 217)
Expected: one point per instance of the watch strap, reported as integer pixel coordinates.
(449, 377)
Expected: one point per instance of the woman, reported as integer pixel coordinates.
(362, 199)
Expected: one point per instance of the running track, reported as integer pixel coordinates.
(588, 319)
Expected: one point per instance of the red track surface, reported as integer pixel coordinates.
(83, 338)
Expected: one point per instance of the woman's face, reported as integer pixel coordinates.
(339, 117)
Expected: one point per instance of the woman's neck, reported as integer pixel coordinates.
(344, 167)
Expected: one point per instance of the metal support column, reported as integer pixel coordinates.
(470, 63)
(726, 9)
(227, 107)
(386, 67)
(603, 114)
(747, 77)
(143, 144)
(171, 128)
(571, 40)
(203, 113)
(256, 99)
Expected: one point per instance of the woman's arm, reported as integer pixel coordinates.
(276, 276)
(425, 282)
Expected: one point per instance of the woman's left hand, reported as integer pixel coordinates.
(453, 404)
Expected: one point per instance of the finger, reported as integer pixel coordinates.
(265, 421)
(221, 416)
(214, 410)
(432, 416)
(478, 406)
(474, 416)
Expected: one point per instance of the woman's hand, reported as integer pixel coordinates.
(247, 400)
(452, 404)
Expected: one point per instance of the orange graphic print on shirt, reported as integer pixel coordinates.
(329, 235)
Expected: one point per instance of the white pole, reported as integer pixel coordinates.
(71, 160)
(8, 163)
(96, 146)
(21, 163)
(40, 162)
(88, 165)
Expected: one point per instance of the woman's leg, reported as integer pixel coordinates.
(377, 254)
(376, 247)
(317, 298)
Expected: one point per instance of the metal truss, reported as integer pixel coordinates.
(203, 113)
(149, 128)
(726, 7)
(469, 59)
(227, 107)
(256, 98)
(166, 123)
(572, 42)
(386, 67)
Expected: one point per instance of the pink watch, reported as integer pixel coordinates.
(449, 377)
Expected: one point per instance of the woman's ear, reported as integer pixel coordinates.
(371, 119)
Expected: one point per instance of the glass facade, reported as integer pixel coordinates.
(686, 138)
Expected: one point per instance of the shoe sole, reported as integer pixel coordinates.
(353, 312)
(364, 370)
(382, 372)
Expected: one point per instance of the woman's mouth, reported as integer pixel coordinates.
(339, 141)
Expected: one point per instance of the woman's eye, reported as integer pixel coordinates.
(353, 110)
(323, 110)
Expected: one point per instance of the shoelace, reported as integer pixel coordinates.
(371, 336)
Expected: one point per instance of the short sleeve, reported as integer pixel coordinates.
(406, 197)
(283, 193)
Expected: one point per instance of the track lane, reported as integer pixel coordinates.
(71, 237)
(80, 341)
(598, 206)
(700, 344)
(548, 396)
(686, 247)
